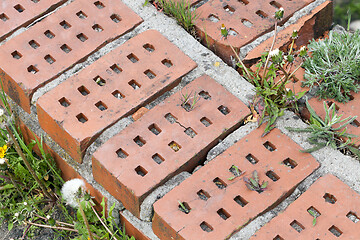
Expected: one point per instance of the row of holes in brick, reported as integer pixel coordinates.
(21, 9)
(329, 198)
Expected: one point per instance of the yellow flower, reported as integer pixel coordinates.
(3, 151)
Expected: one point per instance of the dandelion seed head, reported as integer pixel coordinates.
(70, 189)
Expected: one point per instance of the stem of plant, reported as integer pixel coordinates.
(85, 220)
(241, 62)
(52, 227)
(268, 56)
(107, 229)
(31, 170)
(14, 183)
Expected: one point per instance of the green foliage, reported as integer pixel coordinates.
(327, 132)
(254, 183)
(343, 9)
(188, 102)
(313, 214)
(334, 66)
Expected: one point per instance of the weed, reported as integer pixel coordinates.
(254, 183)
(334, 66)
(313, 214)
(186, 101)
(235, 170)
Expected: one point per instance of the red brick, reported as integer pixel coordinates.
(214, 13)
(234, 202)
(61, 110)
(67, 171)
(139, 113)
(50, 47)
(172, 150)
(131, 230)
(15, 14)
(337, 204)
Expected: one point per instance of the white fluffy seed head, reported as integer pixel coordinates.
(2, 161)
(274, 52)
(70, 189)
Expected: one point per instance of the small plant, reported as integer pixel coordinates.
(183, 208)
(314, 215)
(274, 72)
(254, 183)
(186, 101)
(235, 170)
(334, 66)
(327, 132)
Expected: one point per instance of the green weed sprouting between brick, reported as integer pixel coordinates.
(334, 66)
(254, 183)
(31, 191)
(328, 132)
(186, 101)
(274, 71)
(180, 10)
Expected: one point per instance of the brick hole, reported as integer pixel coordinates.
(275, 4)
(116, 68)
(329, 103)
(329, 198)
(351, 97)
(186, 106)
(203, 195)
(205, 121)
(241, 201)
(82, 37)
(139, 141)
(49, 34)
(99, 5)
(141, 171)
(186, 209)
(158, 158)
(206, 227)
(223, 213)
(224, 110)
(232, 32)
(245, 2)
(101, 106)
(235, 170)
(97, 28)
(134, 84)
(65, 24)
(174, 146)
(219, 183)
(247, 23)
(49, 59)
(19, 8)
(81, 118)
(213, 18)
(35, 1)
(149, 47)
(190, 132)
(171, 118)
(290, 163)
(132, 58)
(64, 102)
(32, 69)
(65, 48)
(278, 238)
(121, 153)
(355, 123)
(99, 81)
(81, 15)
(34, 44)
(117, 94)
(150, 74)
(16, 55)
(116, 18)
(269, 146)
(272, 175)
(261, 14)
(229, 9)
(4, 17)
(353, 217)
(205, 95)
(297, 226)
(315, 212)
(336, 231)
(83, 90)
(154, 129)
(252, 159)
(167, 63)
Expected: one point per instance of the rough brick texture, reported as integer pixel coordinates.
(165, 141)
(335, 205)
(219, 205)
(38, 55)
(78, 110)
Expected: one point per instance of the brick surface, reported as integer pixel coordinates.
(132, 230)
(61, 40)
(15, 14)
(78, 110)
(165, 141)
(351, 108)
(336, 206)
(247, 20)
(220, 206)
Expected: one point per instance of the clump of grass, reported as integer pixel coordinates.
(334, 66)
